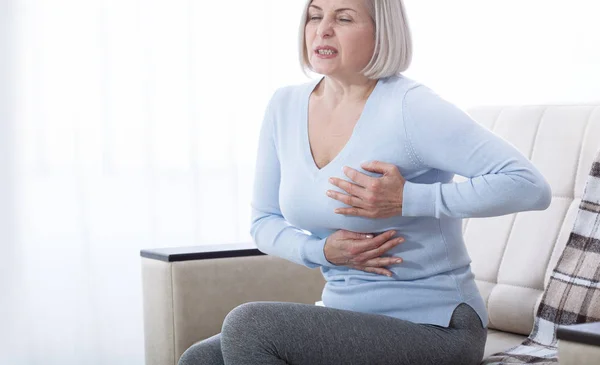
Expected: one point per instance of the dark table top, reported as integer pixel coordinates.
(204, 252)
(586, 333)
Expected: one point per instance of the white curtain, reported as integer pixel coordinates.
(136, 125)
(130, 124)
(8, 281)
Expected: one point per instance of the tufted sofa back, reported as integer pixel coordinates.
(514, 255)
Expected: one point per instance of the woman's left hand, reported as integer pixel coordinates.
(371, 197)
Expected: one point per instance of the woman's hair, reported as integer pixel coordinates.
(393, 42)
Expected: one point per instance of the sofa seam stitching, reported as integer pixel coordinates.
(587, 125)
(512, 226)
(554, 245)
(516, 285)
(537, 134)
(493, 126)
(487, 307)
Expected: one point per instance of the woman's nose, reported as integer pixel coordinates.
(325, 30)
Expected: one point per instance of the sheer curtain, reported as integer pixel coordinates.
(136, 125)
(8, 287)
(130, 124)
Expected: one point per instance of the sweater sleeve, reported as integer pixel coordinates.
(441, 136)
(270, 231)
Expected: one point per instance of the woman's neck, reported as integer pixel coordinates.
(337, 91)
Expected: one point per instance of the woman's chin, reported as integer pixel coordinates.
(331, 70)
(324, 68)
(325, 71)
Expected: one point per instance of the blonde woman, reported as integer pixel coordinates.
(354, 176)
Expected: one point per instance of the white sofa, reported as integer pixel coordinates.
(188, 291)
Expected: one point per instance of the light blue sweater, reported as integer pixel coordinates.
(429, 140)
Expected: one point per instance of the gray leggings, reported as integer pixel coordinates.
(269, 333)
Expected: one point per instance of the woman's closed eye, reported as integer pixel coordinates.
(343, 20)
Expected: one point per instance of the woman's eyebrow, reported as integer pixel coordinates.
(336, 10)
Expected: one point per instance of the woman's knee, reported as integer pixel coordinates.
(203, 352)
(255, 322)
(191, 356)
(245, 316)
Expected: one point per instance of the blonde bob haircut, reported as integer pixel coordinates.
(393, 43)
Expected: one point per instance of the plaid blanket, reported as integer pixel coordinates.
(573, 292)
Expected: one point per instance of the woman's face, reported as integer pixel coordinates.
(340, 36)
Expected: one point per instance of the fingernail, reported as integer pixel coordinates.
(398, 261)
(388, 275)
(369, 236)
(328, 193)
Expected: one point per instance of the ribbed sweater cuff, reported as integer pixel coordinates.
(313, 251)
(418, 200)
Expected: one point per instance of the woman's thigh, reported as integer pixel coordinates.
(301, 334)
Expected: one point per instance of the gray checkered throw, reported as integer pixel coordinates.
(573, 292)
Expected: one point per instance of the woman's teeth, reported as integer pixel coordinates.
(326, 51)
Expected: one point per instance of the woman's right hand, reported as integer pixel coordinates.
(362, 251)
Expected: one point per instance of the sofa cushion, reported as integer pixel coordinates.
(499, 341)
(513, 255)
(572, 294)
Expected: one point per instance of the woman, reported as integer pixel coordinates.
(365, 150)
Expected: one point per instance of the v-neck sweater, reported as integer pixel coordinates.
(429, 140)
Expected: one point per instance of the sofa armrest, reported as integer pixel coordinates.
(579, 344)
(188, 291)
